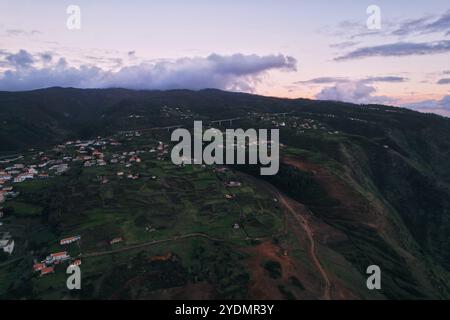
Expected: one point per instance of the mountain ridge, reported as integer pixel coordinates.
(58, 113)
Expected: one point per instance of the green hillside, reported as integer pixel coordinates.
(367, 184)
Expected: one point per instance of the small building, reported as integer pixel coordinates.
(5, 176)
(47, 270)
(60, 168)
(116, 240)
(69, 240)
(233, 184)
(57, 257)
(160, 146)
(88, 164)
(22, 177)
(98, 154)
(38, 266)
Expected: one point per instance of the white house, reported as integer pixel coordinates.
(32, 171)
(69, 240)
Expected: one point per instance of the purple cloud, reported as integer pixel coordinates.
(352, 91)
(425, 25)
(398, 49)
(441, 107)
(384, 79)
(441, 24)
(325, 80)
(20, 32)
(344, 44)
(21, 59)
(232, 72)
(444, 81)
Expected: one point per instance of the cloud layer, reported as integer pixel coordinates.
(441, 107)
(325, 80)
(230, 72)
(444, 81)
(424, 25)
(353, 91)
(398, 49)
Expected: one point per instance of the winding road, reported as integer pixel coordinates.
(312, 249)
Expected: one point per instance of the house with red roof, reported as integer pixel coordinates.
(38, 266)
(47, 270)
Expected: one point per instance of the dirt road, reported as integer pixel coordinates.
(150, 243)
(286, 202)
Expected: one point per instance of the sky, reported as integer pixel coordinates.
(286, 48)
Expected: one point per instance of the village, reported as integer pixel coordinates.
(55, 162)
(100, 152)
(299, 124)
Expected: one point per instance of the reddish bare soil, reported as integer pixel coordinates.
(308, 230)
(303, 221)
(262, 286)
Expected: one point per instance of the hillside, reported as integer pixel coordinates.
(358, 185)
